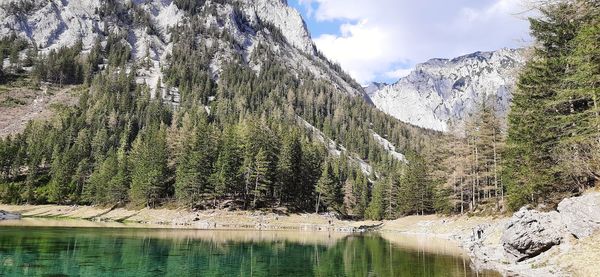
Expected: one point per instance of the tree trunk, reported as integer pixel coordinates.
(255, 192)
(477, 172)
(462, 191)
(317, 206)
(495, 172)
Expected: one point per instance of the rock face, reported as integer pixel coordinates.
(581, 215)
(441, 90)
(288, 20)
(8, 216)
(530, 233)
(250, 25)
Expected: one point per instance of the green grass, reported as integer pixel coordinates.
(11, 102)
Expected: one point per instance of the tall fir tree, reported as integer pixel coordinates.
(289, 170)
(577, 103)
(329, 191)
(530, 167)
(261, 178)
(149, 172)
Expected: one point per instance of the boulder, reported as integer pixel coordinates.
(6, 215)
(581, 215)
(530, 233)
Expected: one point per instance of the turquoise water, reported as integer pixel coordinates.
(57, 251)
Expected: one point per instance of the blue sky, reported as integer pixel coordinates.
(317, 28)
(382, 40)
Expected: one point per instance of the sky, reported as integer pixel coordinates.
(382, 40)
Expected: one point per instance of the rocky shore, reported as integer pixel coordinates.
(565, 242)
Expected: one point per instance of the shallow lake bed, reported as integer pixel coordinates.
(34, 247)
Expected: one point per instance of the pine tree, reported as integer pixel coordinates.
(59, 188)
(289, 170)
(227, 176)
(362, 190)
(188, 179)
(149, 172)
(579, 147)
(416, 188)
(97, 190)
(120, 183)
(350, 199)
(376, 209)
(530, 163)
(312, 159)
(329, 189)
(260, 177)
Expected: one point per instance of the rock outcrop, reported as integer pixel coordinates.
(7, 216)
(441, 90)
(581, 215)
(288, 20)
(250, 25)
(530, 233)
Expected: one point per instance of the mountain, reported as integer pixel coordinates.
(208, 104)
(374, 87)
(146, 26)
(441, 90)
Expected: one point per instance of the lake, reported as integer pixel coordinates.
(28, 249)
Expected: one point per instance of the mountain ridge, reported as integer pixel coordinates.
(146, 27)
(442, 90)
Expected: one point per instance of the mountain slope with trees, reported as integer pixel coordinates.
(242, 115)
(230, 123)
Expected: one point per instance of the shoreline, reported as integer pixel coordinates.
(570, 259)
(206, 219)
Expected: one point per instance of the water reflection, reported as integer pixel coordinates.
(60, 251)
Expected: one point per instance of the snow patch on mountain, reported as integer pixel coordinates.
(441, 90)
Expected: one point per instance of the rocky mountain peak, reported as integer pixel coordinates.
(287, 19)
(146, 27)
(374, 87)
(441, 90)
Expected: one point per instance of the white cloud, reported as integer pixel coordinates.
(308, 5)
(398, 73)
(381, 34)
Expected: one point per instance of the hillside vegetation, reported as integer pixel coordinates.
(244, 139)
(240, 118)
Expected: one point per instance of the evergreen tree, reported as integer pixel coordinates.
(260, 177)
(188, 162)
(376, 209)
(312, 160)
(362, 190)
(98, 189)
(416, 188)
(120, 184)
(530, 164)
(61, 172)
(578, 150)
(290, 170)
(227, 176)
(149, 172)
(194, 162)
(329, 191)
